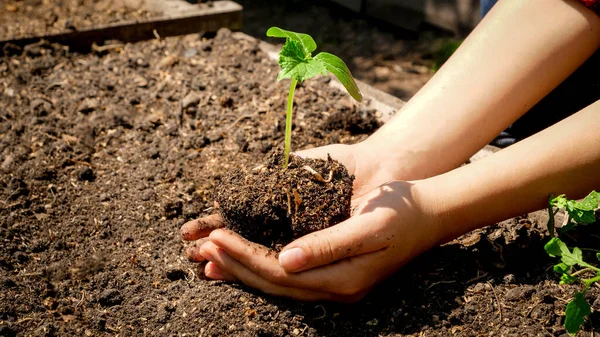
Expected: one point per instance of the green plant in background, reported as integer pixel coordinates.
(579, 213)
(298, 64)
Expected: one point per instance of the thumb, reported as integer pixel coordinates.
(349, 238)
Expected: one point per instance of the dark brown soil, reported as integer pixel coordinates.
(24, 18)
(271, 206)
(104, 156)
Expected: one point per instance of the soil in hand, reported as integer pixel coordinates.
(272, 206)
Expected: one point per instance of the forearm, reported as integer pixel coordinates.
(517, 54)
(564, 158)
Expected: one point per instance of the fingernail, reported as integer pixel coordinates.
(293, 259)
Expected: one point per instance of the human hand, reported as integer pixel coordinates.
(357, 158)
(390, 226)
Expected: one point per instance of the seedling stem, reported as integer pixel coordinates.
(298, 64)
(288, 124)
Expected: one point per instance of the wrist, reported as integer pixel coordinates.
(397, 158)
(443, 209)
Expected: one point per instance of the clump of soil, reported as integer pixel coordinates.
(272, 206)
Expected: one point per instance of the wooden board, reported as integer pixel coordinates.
(178, 18)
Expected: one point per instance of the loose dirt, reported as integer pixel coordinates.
(24, 18)
(104, 156)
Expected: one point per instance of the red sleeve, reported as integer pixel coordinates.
(592, 4)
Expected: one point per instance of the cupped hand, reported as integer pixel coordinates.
(390, 225)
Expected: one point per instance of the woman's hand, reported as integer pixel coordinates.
(391, 225)
(364, 160)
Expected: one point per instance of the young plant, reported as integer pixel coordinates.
(579, 213)
(298, 64)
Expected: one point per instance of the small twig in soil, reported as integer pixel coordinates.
(584, 270)
(289, 200)
(156, 34)
(32, 274)
(81, 300)
(81, 163)
(305, 327)
(440, 282)
(193, 275)
(497, 301)
(297, 199)
(324, 312)
(477, 278)
(237, 120)
(100, 49)
(534, 306)
(318, 175)
(49, 135)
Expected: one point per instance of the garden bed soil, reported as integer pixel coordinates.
(26, 18)
(104, 157)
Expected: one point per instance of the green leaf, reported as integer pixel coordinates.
(306, 41)
(574, 258)
(567, 279)
(598, 256)
(296, 64)
(579, 211)
(561, 268)
(590, 202)
(555, 247)
(337, 67)
(576, 312)
(560, 201)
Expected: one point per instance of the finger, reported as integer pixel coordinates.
(355, 236)
(347, 281)
(263, 262)
(192, 252)
(213, 271)
(199, 228)
(220, 258)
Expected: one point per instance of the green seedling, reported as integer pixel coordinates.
(580, 213)
(298, 64)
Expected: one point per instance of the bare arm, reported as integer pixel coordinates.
(564, 158)
(518, 53)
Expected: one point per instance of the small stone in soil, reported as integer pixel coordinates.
(189, 100)
(86, 174)
(519, 293)
(110, 297)
(176, 274)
